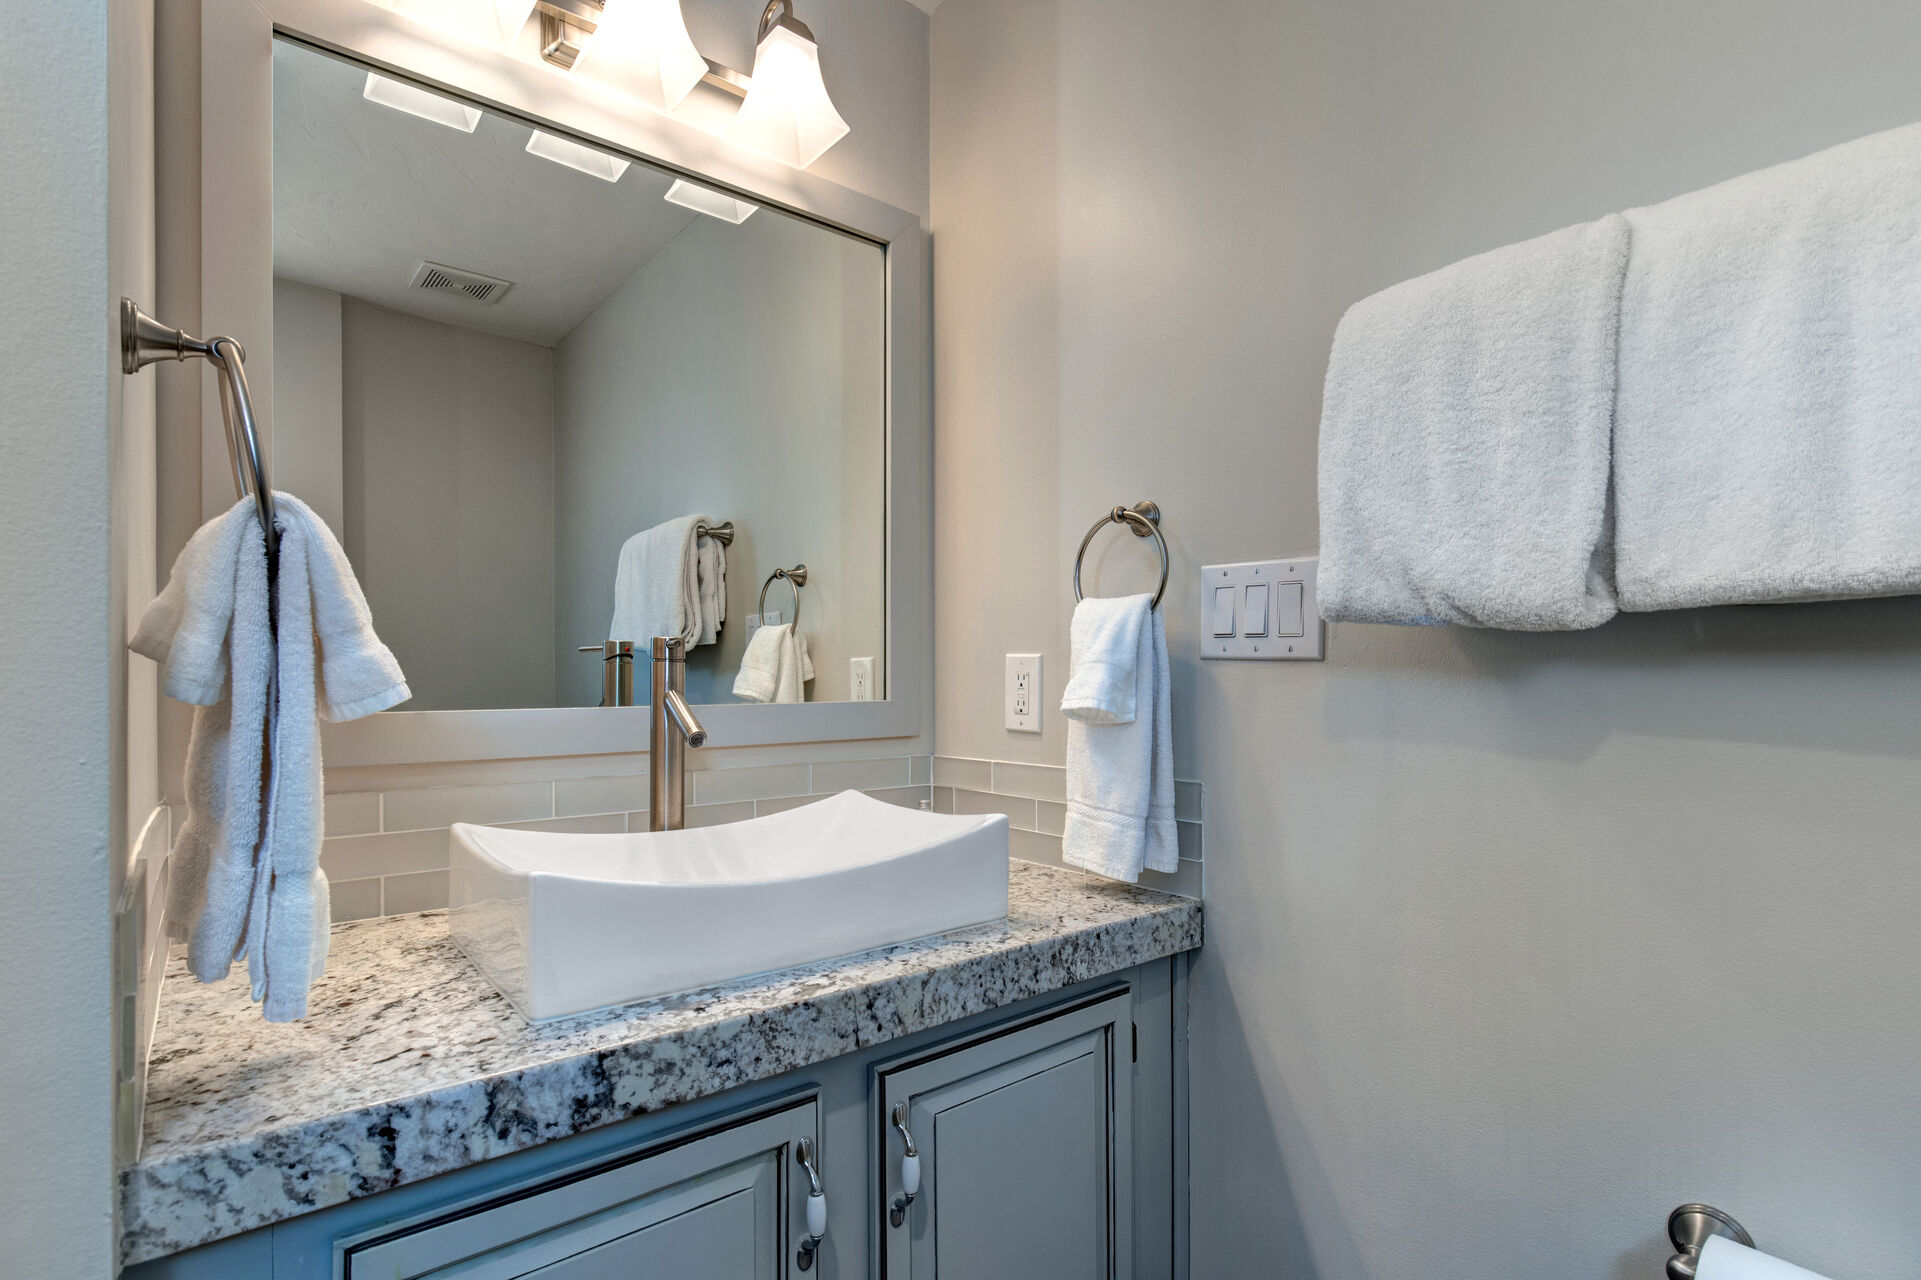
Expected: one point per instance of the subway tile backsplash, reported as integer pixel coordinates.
(386, 851)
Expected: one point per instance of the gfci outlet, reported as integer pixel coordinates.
(860, 679)
(1024, 692)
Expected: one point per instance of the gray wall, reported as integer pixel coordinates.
(308, 452)
(1514, 942)
(449, 462)
(76, 540)
(740, 374)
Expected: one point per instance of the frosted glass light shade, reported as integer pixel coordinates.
(787, 114)
(642, 48)
(586, 159)
(490, 22)
(418, 102)
(714, 203)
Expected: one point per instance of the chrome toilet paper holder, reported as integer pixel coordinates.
(1690, 1227)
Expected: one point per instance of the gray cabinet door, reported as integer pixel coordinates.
(1025, 1153)
(722, 1205)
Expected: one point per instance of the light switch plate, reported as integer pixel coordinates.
(1287, 629)
(1024, 692)
(860, 679)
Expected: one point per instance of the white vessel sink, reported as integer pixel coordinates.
(563, 923)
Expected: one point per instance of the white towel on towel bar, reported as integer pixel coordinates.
(1768, 437)
(1464, 441)
(659, 588)
(1120, 741)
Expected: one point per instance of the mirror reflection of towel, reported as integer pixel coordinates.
(776, 666)
(671, 581)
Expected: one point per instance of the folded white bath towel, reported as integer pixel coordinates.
(1120, 749)
(1768, 439)
(776, 666)
(1464, 441)
(245, 876)
(711, 562)
(671, 581)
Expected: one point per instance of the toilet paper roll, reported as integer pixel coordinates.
(1723, 1259)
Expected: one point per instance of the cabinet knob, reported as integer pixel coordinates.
(816, 1204)
(909, 1168)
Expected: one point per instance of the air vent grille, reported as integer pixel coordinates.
(442, 278)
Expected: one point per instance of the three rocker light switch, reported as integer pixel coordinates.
(1261, 610)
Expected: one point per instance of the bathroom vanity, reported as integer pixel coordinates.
(416, 1125)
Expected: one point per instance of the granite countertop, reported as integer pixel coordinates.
(410, 1064)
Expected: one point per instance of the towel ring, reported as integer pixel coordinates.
(1143, 520)
(796, 579)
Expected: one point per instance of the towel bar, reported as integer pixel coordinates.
(1689, 1228)
(1143, 520)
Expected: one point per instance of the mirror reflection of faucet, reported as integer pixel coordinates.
(673, 730)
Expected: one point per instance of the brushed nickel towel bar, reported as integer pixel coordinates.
(721, 533)
(143, 340)
(1143, 520)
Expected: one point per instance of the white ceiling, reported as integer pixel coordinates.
(363, 193)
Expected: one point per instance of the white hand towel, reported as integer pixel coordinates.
(245, 871)
(1120, 752)
(1768, 441)
(1464, 441)
(657, 584)
(776, 666)
(185, 628)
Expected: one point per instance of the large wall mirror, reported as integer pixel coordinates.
(550, 395)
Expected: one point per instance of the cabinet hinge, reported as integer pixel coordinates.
(1137, 1040)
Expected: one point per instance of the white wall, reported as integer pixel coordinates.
(1514, 942)
(449, 511)
(739, 373)
(76, 755)
(308, 452)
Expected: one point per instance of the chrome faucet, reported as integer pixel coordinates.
(668, 742)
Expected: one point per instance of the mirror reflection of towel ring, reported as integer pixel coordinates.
(796, 579)
(1143, 520)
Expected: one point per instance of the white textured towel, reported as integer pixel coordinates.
(1120, 751)
(245, 875)
(670, 581)
(1768, 439)
(1465, 432)
(776, 666)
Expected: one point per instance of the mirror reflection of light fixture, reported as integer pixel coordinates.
(787, 113)
(419, 102)
(494, 22)
(642, 48)
(565, 151)
(714, 203)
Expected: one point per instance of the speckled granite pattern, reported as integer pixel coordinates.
(410, 1064)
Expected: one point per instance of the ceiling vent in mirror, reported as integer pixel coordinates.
(446, 279)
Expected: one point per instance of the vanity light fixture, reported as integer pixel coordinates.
(717, 204)
(491, 22)
(641, 47)
(418, 102)
(586, 159)
(787, 113)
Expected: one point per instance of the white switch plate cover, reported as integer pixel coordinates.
(1289, 638)
(1024, 692)
(860, 679)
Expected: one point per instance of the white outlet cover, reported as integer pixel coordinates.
(1024, 692)
(860, 679)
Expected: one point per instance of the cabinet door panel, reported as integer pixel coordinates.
(713, 1242)
(1022, 1178)
(1025, 1153)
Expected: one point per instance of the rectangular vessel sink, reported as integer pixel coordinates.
(564, 922)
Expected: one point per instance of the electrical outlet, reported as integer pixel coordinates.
(1024, 692)
(860, 678)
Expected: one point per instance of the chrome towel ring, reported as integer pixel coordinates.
(1143, 520)
(796, 579)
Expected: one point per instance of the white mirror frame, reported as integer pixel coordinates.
(236, 183)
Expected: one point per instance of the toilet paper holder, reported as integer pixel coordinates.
(1690, 1227)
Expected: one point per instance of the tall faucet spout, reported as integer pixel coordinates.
(684, 719)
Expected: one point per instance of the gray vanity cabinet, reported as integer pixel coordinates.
(1024, 1143)
(722, 1206)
